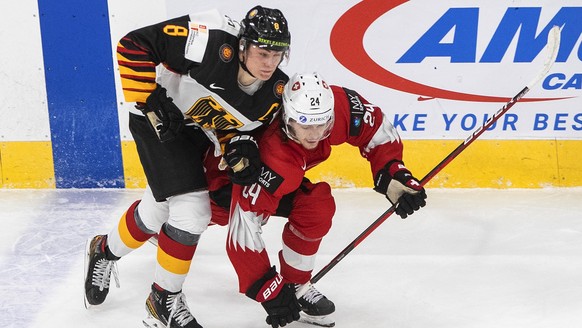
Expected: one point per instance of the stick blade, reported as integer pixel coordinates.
(552, 48)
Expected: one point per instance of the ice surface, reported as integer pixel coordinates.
(471, 258)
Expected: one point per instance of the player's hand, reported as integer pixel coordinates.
(163, 115)
(241, 154)
(401, 188)
(277, 297)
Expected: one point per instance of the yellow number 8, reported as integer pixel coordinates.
(175, 30)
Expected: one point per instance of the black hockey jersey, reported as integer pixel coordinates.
(195, 57)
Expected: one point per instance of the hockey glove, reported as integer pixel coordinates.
(277, 297)
(241, 154)
(402, 189)
(163, 115)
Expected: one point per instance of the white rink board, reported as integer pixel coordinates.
(392, 34)
(396, 26)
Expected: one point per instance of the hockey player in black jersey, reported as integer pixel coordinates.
(196, 80)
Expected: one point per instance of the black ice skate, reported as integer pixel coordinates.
(166, 309)
(316, 309)
(98, 270)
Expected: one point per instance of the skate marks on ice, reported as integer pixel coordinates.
(44, 233)
(471, 258)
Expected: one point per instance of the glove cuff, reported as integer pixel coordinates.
(395, 167)
(242, 137)
(267, 287)
(387, 173)
(142, 107)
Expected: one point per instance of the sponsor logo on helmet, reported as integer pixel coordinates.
(302, 119)
(278, 88)
(272, 42)
(226, 53)
(317, 120)
(253, 13)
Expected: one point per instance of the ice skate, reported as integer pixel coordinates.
(316, 309)
(98, 270)
(166, 309)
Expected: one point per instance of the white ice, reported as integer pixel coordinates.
(471, 258)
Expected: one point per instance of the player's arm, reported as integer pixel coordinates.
(140, 51)
(366, 126)
(138, 54)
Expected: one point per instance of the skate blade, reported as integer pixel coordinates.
(87, 246)
(320, 320)
(151, 322)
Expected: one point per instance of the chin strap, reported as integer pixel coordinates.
(244, 67)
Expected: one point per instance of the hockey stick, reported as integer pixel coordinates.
(553, 45)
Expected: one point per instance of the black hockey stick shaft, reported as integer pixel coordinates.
(553, 45)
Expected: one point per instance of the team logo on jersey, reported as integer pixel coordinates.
(209, 114)
(226, 53)
(270, 113)
(270, 179)
(278, 88)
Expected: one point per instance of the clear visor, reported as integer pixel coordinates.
(305, 132)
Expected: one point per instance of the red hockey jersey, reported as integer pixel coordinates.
(357, 122)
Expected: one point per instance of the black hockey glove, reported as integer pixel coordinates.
(162, 114)
(402, 189)
(241, 154)
(277, 297)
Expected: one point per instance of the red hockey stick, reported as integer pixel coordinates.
(552, 46)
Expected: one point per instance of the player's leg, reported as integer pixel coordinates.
(132, 231)
(189, 215)
(310, 215)
(177, 242)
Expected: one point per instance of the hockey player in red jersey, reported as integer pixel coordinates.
(197, 80)
(315, 117)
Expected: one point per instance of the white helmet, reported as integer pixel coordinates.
(307, 100)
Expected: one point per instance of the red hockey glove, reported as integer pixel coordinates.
(402, 189)
(277, 297)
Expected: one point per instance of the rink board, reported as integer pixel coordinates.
(64, 122)
(484, 164)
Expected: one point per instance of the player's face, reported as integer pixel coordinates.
(262, 63)
(309, 136)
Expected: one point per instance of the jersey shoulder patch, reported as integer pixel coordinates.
(269, 179)
(198, 32)
(356, 112)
